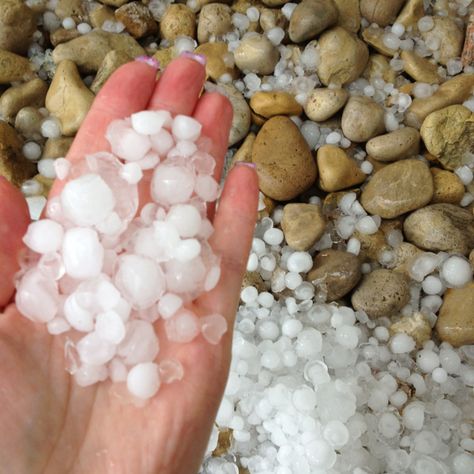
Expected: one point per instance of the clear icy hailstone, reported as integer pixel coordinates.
(184, 149)
(388, 425)
(206, 187)
(309, 343)
(168, 305)
(159, 243)
(140, 344)
(50, 128)
(456, 271)
(316, 372)
(185, 277)
(249, 294)
(367, 225)
(131, 173)
(213, 327)
(273, 236)
(171, 370)
(172, 184)
(109, 326)
(414, 416)
(125, 142)
(299, 262)
(94, 350)
(44, 236)
(162, 142)
(427, 360)
(77, 316)
(187, 250)
(87, 200)
(37, 297)
(149, 161)
(463, 463)
(107, 295)
(143, 380)
(185, 218)
(31, 151)
(212, 278)
(336, 434)
(117, 371)
(46, 168)
(320, 454)
(348, 336)
(402, 343)
(182, 327)
(83, 254)
(88, 374)
(62, 168)
(304, 399)
(432, 285)
(58, 326)
(186, 128)
(150, 122)
(140, 279)
(425, 23)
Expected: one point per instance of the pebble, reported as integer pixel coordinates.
(68, 98)
(112, 61)
(241, 118)
(61, 35)
(56, 147)
(335, 272)
(215, 20)
(217, 64)
(31, 93)
(310, 18)
(411, 13)
(28, 122)
(455, 322)
(284, 162)
(381, 293)
(448, 188)
(448, 134)
(382, 12)
(441, 227)
(419, 68)
(343, 57)
(362, 119)
(396, 145)
(378, 66)
(415, 325)
(137, 19)
(256, 54)
(17, 25)
(269, 104)
(272, 18)
(398, 188)
(337, 170)
(323, 103)
(178, 20)
(349, 14)
(14, 68)
(99, 14)
(303, 225)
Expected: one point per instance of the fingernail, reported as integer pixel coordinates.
(199, 58)
(247, 164)
(151, 61)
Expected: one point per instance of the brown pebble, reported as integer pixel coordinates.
(416, 325)
(448, 187)
(137, 19)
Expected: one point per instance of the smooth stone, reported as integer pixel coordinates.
(274, 3)
(14, 68)
(398, 188)
(419, 68)
(362, 119)
(382, 293)
(382, 12)
(269, 104)
(31, 93)
(411, 13)
(178, 20)
(88, 51)
(165, 56)
(379, 66)
(114, 3)
(371, 245)
(415, 325)
(253, 279)
(311, 17)
(241, 118)
(256, 54)
(217, 55)
(448, 134)
(404, 255)
(448, 188)
(343, 57)
(273, 18)
(17, 25)
(285, 165)
(215, 20)
(13, 165)
(441, 227)
(74, 9)
(244, 153)
(455, 322)
(349, 16)
(373, 36)
(56, 147)
(112, 61)
(68, 98)
(99, 14)
(28, 123)
(337, 170)
(335, 272)
(137, 19)
(61, 35)
(396, 145)
(302, 225)
(323, 103)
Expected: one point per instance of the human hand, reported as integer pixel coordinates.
(51, 425)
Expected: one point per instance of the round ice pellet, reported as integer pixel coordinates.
(414, 416)
(31, 151)
(77, 316)
(439, 375)
(207, 188)
(291, 328)
(172, 184)
(109, 326)
(44, 236)
(169, 304)
(182, 327)
(143, 380)
(348, 336)
(432, 285)
(456, 271)
(309, 343)
(336, 434)
(273, 236)
(249, 294)
(388, 425)
(427, 360)
(46, 168)
(299, 262)
(186, 218)
(162, 142)
(140, 344)
(94, 350)
(125, 142)
(187, 250)
(186, 128)
(402, 343)
(213, 327)
(150, 122)
(131, 173)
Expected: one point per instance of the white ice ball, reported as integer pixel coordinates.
(182, 327)
(150, 122)
(456, 271)
(186, 219)
(186, 128)
(44, 236)
(126, 143)
(94, 350)
(143, 380)
(172, 184)
(140, 344)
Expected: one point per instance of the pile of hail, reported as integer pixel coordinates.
(103, 271)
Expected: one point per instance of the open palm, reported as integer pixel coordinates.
(49, 424)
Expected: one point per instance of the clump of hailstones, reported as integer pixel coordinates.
(103, 271)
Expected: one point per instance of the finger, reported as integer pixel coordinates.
(14, 220)
(179, 87)
(234, 225)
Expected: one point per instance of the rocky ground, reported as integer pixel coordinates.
(359, 117)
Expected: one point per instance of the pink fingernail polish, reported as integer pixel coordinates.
(247, 164)
(199, 58)
(151, 61)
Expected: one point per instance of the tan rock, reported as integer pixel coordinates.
(311, 17)
(335, 272)
(46, 184)
(57, 147)
(382, 12)
(343, 57)
(444, 227)
(256, 54)
(349, 14)
(396, 145)
(244, 153)
(471, 259)
(284, 162)
(164, 56)
(269, 206)
(13, 165)
(28, 122)
(381, 293)
(114, 3)
(178, 20)
(74, 9)
(449, 35)
(241, 119)
(420, 68)
(362, 119)
(17, 25)
(467, 56)
(455, 322)
(303, 225)
(448, 134)
(215, 20)
(61, 35)
(373, 36)
(272, 18)
(337, 170)
(68, 98)
(448, 187)
(274, 3)
(323, 103)
(14, 68)
(378, 66)
(371, 245)
(88, 51)
(416, 325)
(99, 14)
(404, 256)
(398, 188)
(219, 60)
(253, 279)
(411, 13)
(269, 104)
(137, 19)
(112, 61)
(30, 93)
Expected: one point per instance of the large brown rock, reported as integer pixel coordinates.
(17, 25)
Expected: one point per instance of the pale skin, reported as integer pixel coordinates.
(49, 425)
